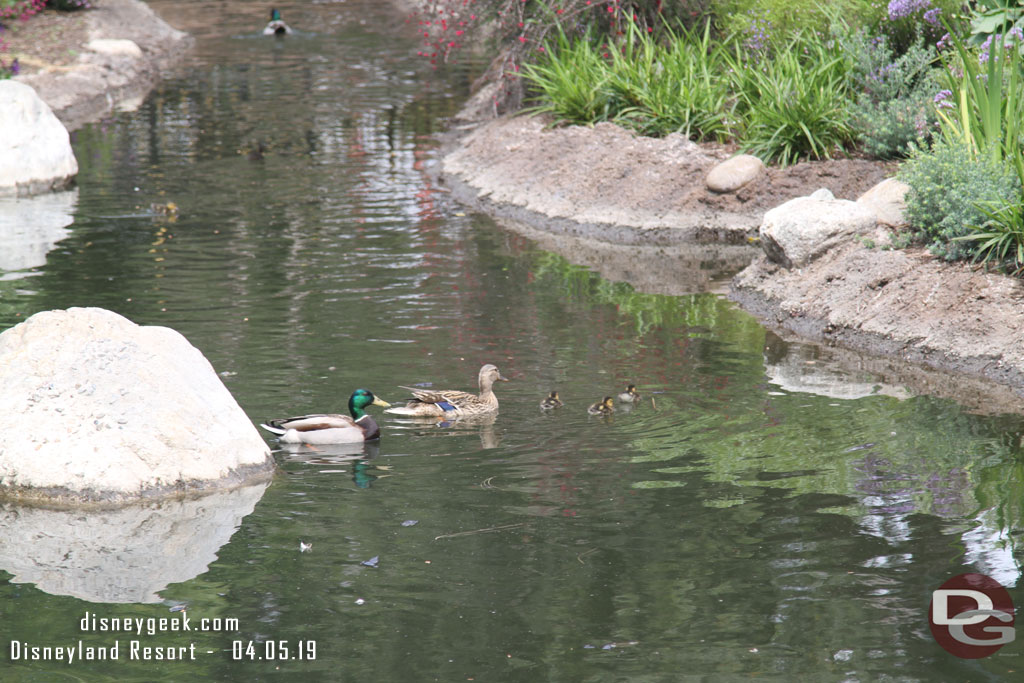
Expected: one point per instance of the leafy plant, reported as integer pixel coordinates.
(999, 17)
(676, 88)
(1000, 239)
(572, 80)
(948, 185)
(796, 102)
(895, 105)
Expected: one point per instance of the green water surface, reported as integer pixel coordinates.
(729, 527)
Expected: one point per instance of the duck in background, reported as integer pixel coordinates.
(603, 407)
(276, 27)
(551, 401)
(450, 403)
(324, 429)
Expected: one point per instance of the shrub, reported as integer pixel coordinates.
(895, 102)
(948, 186)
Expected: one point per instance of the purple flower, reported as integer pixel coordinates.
(905, 8)
(932, 16)
(942, 99)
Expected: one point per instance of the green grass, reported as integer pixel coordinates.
(791, 104)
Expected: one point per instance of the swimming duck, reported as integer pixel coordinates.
(551, 401)
(630, 395)
(603, 407)
(331, 428)
(449, 403)
(276, 27)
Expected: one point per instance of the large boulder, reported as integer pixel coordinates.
(35, 149)
(798, 231)
(98, 408)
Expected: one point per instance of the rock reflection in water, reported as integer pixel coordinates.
(121, 555)
(671, 269)
(835, 372)
(30, 227)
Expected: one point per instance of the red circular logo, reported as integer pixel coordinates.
(971, 616)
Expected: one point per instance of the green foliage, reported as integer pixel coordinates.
(948, 184)
(792, 102)
(788, 17)
(894, 106)
(989, 110)
(997, 17)
(677, 88)
(796, 100)
(573, 85)
(1000, 239)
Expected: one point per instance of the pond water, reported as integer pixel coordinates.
(733, 525)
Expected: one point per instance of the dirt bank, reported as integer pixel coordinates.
(947, 329)
(80, 64)
(608, 184)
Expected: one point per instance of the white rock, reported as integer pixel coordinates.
(115, 46)
(822, 193)
(99, 408)
(35, 149)
(800, 230)
(888, 200)
(734, 173)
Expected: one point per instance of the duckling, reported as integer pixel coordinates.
(168, 209)
(630, 395)
(276, 27)
(603, 407)
(451, 403)
(551, 401)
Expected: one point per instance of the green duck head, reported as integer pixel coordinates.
(360, 399)
(275, 15)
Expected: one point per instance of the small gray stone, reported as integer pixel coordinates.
(734, 173)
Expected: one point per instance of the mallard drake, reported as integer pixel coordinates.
(276, 27)
(630, 395)
(603, 407)
(450, 403)
(551, 401)
(331, 428)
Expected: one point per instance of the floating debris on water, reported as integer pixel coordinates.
(372, 562)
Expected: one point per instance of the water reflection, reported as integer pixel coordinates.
(32, 226)
(670, 269)
(125, 555)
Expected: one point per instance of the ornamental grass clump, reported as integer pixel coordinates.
(675, 88)
(795, 101)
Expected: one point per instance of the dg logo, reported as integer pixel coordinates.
(971, 616)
